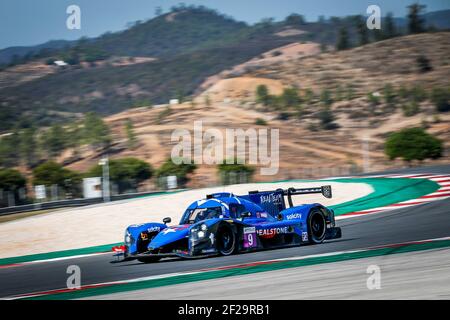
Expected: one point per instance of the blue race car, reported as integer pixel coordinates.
(224, 223)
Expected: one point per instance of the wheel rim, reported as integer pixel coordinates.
(227, 241)
(317, 226)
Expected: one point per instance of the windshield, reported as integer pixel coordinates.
(195, 215)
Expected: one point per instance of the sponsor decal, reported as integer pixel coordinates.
(294, 216)
(153, 229)
(261, 214)
(250, 237)
(249, 230)
(144, 236)
(304, 236)
(208, 250)
(275, 198)
(272, 231)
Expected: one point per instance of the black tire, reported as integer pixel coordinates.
(317, 226)
(149, 259)
(226, 240)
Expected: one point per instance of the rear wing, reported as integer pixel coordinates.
(273, 201)
(324, 190)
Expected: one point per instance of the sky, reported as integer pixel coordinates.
(31, 22)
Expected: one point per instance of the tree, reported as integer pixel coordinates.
(290, 98)
(127, 173)
(131, 136)
(51, 173)
(294, 19)
(207, 101)
(327, 119)
(413, 144)
(424, 64)
(262, 94)
(308, 97)
(9, 152)
(325, 98)
(169, 168)
(74, 135)
(390, 28)
(362, 30)
(11, 180)
(96, 132)
(158, 11)
(343, 40)
(389, 94)
(28, 146)
(415, 21)
(235, 172)
(441, 99)
(53, 140)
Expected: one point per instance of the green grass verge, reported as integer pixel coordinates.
(386, 191)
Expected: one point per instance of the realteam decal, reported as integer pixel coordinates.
(275, 198)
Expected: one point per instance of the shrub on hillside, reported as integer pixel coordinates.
(181, 171)
(235, 173)
(413, 144)
(127, 173)
(260, 122)
(11, 182)
(51, 173)
(410, 109)
(441, 99)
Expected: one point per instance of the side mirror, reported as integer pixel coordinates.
(280, 216)
(246, 214)
(167, 220)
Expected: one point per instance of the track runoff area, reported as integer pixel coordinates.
(405, 239)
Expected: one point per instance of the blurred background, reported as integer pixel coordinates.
(88, 113)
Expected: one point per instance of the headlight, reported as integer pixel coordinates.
(204, 227)
(127, 238)
(201, 234)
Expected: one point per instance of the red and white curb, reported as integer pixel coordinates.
(442, 193)
(18, 264)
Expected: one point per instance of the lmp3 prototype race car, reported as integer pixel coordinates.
(224, 223)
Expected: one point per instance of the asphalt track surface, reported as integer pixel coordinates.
(426, 221)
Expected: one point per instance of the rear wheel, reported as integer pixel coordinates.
(317, 226)
(226, 240)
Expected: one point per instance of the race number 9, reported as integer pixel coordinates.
(249, 237)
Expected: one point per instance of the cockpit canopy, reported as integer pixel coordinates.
(220, 207)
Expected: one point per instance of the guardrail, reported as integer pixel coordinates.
(74, 202)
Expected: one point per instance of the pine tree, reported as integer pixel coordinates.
(343, 41)
(131, 136)
(362, 30)
(390, 26)
(28, 146)
(415, 21)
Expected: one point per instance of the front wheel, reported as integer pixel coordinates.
(226, 240)
(317, 226)
(149, 259)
